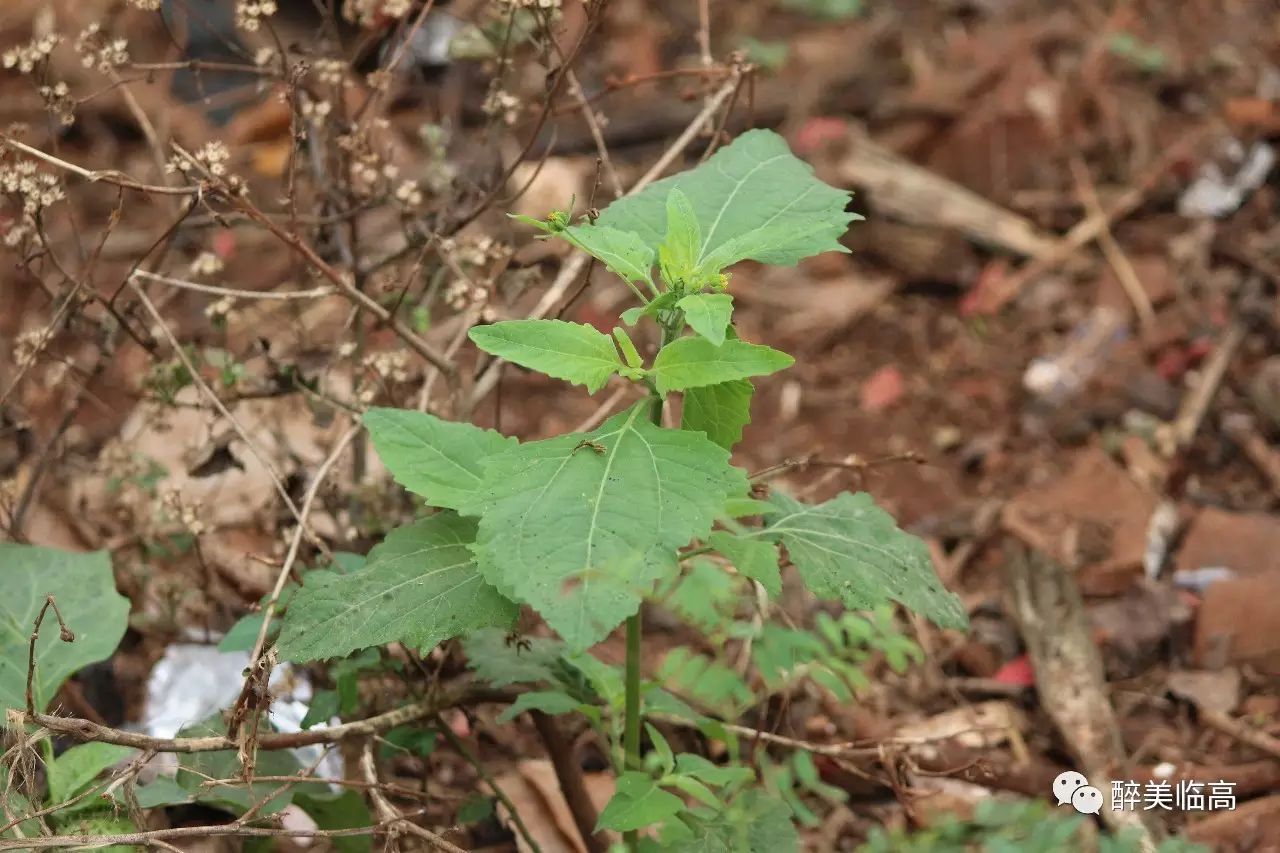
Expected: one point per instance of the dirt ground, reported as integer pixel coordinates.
(1053, 344)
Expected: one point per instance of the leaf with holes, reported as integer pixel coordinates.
(581, 526)
(419, 587)
(850, 550)
(85, 590)
(574, 352)
(440, 460)
(753, 199)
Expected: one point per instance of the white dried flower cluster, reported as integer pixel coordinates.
(461, 294)
(27, 56)
(37, 189)
(17, 232)
(249, 13)
(206, 264)
(98, 51)
(501, 104)
(58, 101)
(530, 4)
(211, 159)
(219, 311)
(186, 513)
(264, 56)
(331, 71)
(27, 346)
(347, 349)
(390, 366)
(147, 5)
(367, 13)
(318, 110)
(409, 194)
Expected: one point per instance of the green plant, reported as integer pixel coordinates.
(1006, 826)
(585, 526)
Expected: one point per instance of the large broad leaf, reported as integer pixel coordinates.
(624, 253)
(708, 314)
(850, 550)
(753, 199)
(581, 526)
(574, 352)
(420, 586)
(440, 460)
(94, 612)
(693, 362)
(720, 411)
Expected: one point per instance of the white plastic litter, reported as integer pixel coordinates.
(1215, 193)
(194, 681)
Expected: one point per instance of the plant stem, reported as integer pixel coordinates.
(635, 634)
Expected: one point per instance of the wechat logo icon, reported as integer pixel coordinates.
(1072, 788)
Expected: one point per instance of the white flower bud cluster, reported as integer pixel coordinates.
(27, 345)
(331, 71)
(147, 5)
(530, 4)
(98, 51)
(503, 105)
(187, 514)
(24, 58)
(249, 13)
(58, 101)
(206, 265)
(211, 159)
(220, 310)
(37, 189)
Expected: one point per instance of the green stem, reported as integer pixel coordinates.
(635, 635)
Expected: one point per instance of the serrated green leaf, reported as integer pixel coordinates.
(720, 412)
(694, 362)
(85, 589)
(753, 558)
(753, 199)
(622, 252)
(546, 701)
(501, 660)
(680, 248)
(850, 550)
(574, 352)
(638, 802)
(753, 823)
(692, 764)
(420, 586)
(708, 314)
(437, 459)
(72, 771)
(582, 526)
(695, 789)
(705, 596)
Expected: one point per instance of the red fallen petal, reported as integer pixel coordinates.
(985, 291)
(883, 389)
(1017, 671)
(1172, 363)
(817, 132)
(224, 244)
